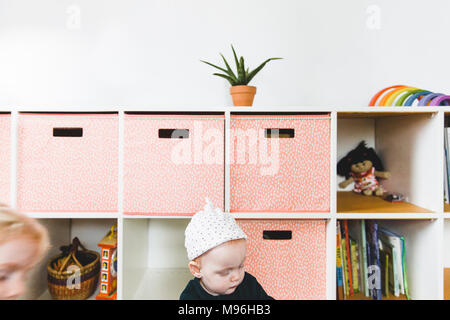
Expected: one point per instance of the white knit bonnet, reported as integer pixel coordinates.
(208, 229)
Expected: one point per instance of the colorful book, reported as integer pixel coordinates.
(396, 243)
(363, 248)
(405, 283)
(372, 242)
(355, 263)
(446, 142)
(339, 271)
(390, 284)
(349, 264)
(446, 168)
(344, 265)
(393, 248)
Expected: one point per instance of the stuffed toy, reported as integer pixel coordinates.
(362, 166)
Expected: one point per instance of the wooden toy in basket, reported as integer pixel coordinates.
(73, 274)
(108, 278)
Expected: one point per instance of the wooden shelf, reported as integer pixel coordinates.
(351, 202)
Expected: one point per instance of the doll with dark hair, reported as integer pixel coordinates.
(362, 166)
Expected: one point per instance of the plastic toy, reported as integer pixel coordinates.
(438, 100)
(418, 95)
(400, 95)
(373, 101)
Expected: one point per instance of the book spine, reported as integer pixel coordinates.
(364, 258)
(405, 282)
(349, 264)
(386, 275)
(354, 258)
(375, 258)
(339, 271)
(448, 160)
(446, 167)
(344, 264)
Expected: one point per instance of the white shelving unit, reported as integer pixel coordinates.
(152, 260)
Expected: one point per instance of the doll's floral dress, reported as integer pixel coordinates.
(365, 180)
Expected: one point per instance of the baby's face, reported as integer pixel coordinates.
(16, 260)
(222, 268)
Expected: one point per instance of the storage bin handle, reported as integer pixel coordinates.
(279, 133)
(173, 133)
(277, 234)
(67, 132)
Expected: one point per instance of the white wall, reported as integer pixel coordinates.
(146, 53)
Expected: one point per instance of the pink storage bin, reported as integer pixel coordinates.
(288, 258)
(290, 173)
(5, 157)
(68, 162)
(167, 175)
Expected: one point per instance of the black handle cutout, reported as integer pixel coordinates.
(173, 133)
(67, 132)
(277, 234)
(279, 133)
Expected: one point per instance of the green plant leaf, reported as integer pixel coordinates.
(221, 69)
(235, 58)
(255, 71)
(230, 80)
(230, 72)
(241, 72)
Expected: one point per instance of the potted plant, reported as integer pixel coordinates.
(241, 92)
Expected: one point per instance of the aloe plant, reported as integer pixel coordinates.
(242, 76)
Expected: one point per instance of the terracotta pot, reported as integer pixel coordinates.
(243, 95)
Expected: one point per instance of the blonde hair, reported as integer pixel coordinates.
(197, 260)
(14, 225)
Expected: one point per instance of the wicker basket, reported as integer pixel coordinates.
(60, 284)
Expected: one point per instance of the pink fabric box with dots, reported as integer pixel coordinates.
(287, 257)
(68, 162)
(5, 157)
(280, 163)
(172, 162)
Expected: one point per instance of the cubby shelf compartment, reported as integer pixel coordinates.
(409, 143)
(61, 231)
(423, 250)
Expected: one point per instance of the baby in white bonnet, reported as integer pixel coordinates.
(216, 248)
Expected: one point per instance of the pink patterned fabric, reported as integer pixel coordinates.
(5, 158)
(296, 179)
(288, 269)
(165, 176)
(68, 173)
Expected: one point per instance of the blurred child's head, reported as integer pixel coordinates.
(23, 242)
(216, 248)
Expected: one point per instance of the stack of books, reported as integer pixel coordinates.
(370, 261)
